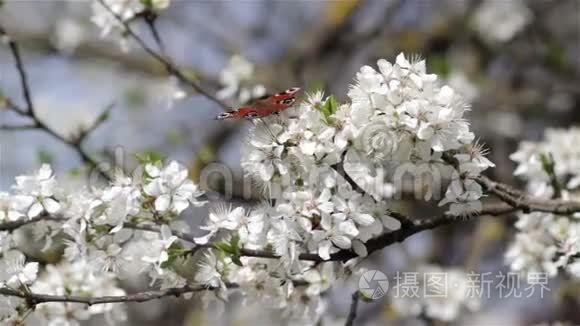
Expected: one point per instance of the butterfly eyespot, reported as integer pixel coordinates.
(288, 101)
(251, 115)
(224, 115)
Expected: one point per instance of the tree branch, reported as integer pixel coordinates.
(34, 299)
(169, 66)
(15, 51)
(527, 203)
(31, 112)
(408, 228)
(13, 225)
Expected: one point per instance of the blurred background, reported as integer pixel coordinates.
(517, 62)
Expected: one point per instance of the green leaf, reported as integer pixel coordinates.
(556, 56)
(136, 97)
(75, 172)
(236, 260)
(547, 163)
(549, 167)
(235, 243)
(106, 114)
(329, 108)
(150, 156)
(231, 248)
(147, 3)
(44, 156)
(174, 137)
(102, 228)
(175, 251)
(439, 65)
(223, 247)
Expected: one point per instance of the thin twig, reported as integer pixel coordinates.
(30, 112)
(170, 67)
(15, 50)
(18, 127)
(339, 168)
(151, 21)
(353, 309)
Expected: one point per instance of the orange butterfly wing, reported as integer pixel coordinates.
(265, 106)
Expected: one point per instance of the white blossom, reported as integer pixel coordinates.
(210, 271)
(37, 192)
(172, 189)
(547, 243)
(106, 21)
(327, 169)
(234, 79)
(15, 272)
(500, 21)
(76, 279)
(170, 92)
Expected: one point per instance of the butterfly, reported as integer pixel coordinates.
(264, 106)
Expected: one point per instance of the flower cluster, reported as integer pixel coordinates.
(77, 278)
(398, 119)
(104, 15)
(327, 169)
(116, 232)
(547, 242)
(500, 21)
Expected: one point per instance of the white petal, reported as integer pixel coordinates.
(363, 219)
(425, 131)
(162, 203)
(326, 207)
(152, 170)
(203, 240)
(35, 210)
(305, 223)
(29, 273)
(341, 241)
(153, 188)
(308, 147)
(51, 205)
(359, 248)
(45, 172)
(391, 223)
(324, 249)
(348, 227)
(266, 171)
(179, 205)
